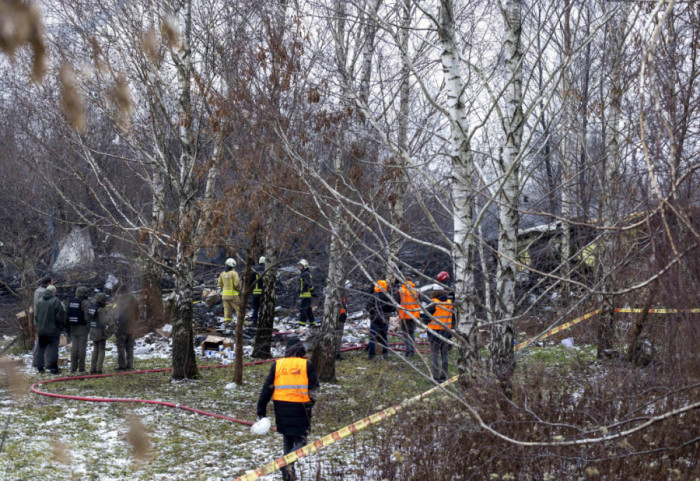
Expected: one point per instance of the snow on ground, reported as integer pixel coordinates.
(94, 435)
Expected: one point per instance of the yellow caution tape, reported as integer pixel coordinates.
(346, 431)
(294, 456)
(555, 330)
(660, 311)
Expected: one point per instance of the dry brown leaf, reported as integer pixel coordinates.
(17, 382)
(151, 46)
(61, 453)
(73, 106)
(121, 96)
(170, 31)
(138, 437)
(20, 24)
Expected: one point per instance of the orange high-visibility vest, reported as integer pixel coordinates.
(410, 309)
(291, 380)
(443, 313)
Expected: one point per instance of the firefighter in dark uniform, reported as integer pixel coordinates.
(306, 292)
(256, 283)
(291, 384)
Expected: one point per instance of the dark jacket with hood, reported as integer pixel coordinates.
(291, 418)
(256, 282)
(306, 289)
(81, 299)
(126, 314)
(50, 315)
(101, 326)
(379, 307)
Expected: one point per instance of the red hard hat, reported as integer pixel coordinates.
(443, 276)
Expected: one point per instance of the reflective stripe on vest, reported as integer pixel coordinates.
(301, 287)
(291, 380)
(410, 309)
(443, 314)
(228, 289)
(257, 290)
(75, 313)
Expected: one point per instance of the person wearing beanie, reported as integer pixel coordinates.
(79, 325)
(126, 314)
(49, 320)
(292, 385)
(44, 282)
(101, 328)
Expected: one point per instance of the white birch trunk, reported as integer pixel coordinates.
(184, 361)
(502, 360)
(400, 180)
(611, 182)
(567, 153)
(462, 193)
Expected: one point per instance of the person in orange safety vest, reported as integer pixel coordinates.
(291, 384)
(407, 297)
(440, 322)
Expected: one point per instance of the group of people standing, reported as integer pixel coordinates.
(436, 314)
(83, 321)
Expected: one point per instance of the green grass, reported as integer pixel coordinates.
(190, 446)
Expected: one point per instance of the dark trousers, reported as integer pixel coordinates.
(98, 355)
(291, 443)
(305, 312)
(378, 331)
(439, 352)
(256, 308)
(408, 331)
(47, 346)
(78, 349)
(125, 350)
(339, 333)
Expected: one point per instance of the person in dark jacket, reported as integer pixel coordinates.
(101, 328)
(306, 292)
(126, 318)
(342, 317)
(79, 325)
(44, 282)
(291, 384)
(49, 320)
(379, 306)
(256, 285)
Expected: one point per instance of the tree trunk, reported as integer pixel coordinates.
(184, 360)
(266, 315)
(567, 162)
(462, 195)
(323, 352)
(243, 298)
(502, 359)
(399, 180)
(611, 183)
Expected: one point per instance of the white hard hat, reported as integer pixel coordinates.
(261, 427)
(230, 262)
(261, 260)
(303, 263)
